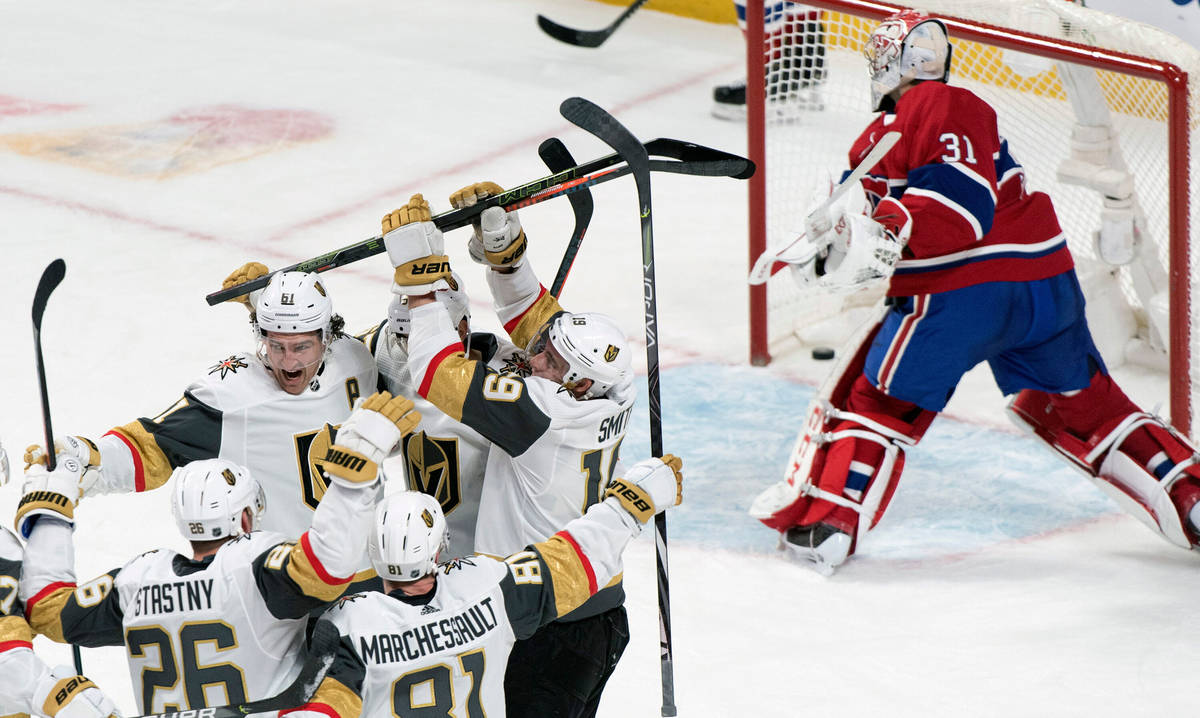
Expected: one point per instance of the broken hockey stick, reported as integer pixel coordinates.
(52, 276)
(683, 158)
(586, 38)
(321, 650)
(558, 158)
(771, 261)
(604, 126)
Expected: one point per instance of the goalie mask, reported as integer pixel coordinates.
(590, 346)
(458, 304)
(906, 47)
(210, 496)
(409, 533)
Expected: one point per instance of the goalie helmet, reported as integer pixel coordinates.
(458, 304)
(295, 303)
(409, 533)
(593, 347)
(210, 496)
(906, 47)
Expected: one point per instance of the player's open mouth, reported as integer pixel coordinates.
(292, 375)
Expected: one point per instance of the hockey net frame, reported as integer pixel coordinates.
(1118, 46)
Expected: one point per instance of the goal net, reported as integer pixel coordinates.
(1099, 110)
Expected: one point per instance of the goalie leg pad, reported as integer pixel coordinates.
(1147, 467)
(846, 465)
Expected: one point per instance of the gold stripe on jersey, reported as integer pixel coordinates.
(450, 383)
(310, 575)
(156, 469)
(45, 610)
(573, 579)
(335, 695)
(14, 628)
(15, 715)
(531, 321)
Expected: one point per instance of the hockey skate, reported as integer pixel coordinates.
(821, 547)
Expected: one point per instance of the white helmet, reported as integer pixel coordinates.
(409, 533)
(210, 496)
(295, 303)
(458, 304)
(593, 346)
(905, 47)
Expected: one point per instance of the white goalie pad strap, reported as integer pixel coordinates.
(1141, 494)
(873, 425)
(1118, 435)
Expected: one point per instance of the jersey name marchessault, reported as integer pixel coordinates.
(440, 635)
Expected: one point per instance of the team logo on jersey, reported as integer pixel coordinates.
(517, 364)
(611, 353)
(311, 446)
(228, 366)
(433, 468)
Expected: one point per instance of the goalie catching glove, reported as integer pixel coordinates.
(648, 487)
(498, 239)
(49, 493)
(367, 437)
(417, 250)
(855, 252)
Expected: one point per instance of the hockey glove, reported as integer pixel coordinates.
(650, 486)
(863, 253)
(81, 448)
(49, 493)
(416, 248)
(244, 273)
(498, 239)
(61, 694)
(368, 436)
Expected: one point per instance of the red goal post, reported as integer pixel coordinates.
(1089, 101)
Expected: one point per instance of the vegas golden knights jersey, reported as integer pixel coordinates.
(445, 653)
(19, 668)
(238, 412)
(444, 457)
(552, 455)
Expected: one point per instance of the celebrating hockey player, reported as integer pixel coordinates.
(267, 412)
(233, 613)
(436, 642)
(444, 457)
(979, 270)
(27, 685)
(555, 433)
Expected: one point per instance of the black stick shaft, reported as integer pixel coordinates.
(604, 126)
(586, 38)
(558, 158)
(52, 276)
(685, 158)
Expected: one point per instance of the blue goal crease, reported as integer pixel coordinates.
(964, 488)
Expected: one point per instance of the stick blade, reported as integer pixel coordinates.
(571, 36)
(52, 276)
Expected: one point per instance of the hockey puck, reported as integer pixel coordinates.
(822, 353)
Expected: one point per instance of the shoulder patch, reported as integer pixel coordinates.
(228, 366)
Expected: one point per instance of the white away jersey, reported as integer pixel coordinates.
(444, 457)
(445, 653)
(197, 633)
(238, 412)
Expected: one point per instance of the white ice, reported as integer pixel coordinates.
(1000, 583)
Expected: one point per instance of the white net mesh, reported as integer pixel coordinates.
(818, 101)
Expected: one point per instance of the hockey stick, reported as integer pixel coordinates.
(771, 261)
(604, 126)
(52, 276)
(558, 158)
(684, 158)
(586, 38)
(321, 650)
